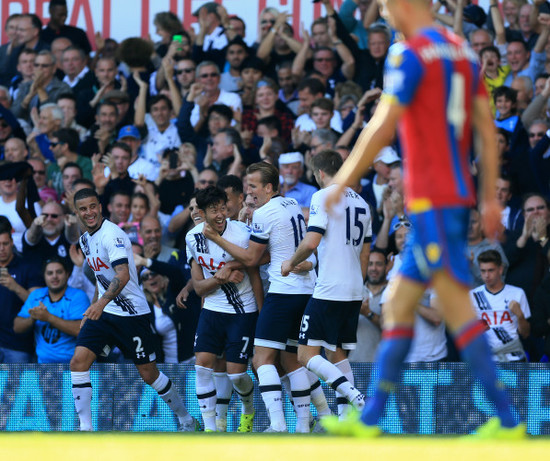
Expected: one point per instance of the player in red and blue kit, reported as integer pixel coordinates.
(434, 90)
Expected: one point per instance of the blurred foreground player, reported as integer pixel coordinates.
(118, 315)
(433, 88)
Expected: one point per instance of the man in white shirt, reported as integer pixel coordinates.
(77, 74)
(118, 315)
(503, 308)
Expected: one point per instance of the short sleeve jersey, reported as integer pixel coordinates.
(493, 309)
(104, 250)
(52, 345)
(436, 75)
(229, 298)
(344, 234)
(280, 225)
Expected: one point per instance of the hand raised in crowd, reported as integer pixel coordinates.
(168, 66)
(39, 221)
(70, 220)
(40, 312)
(99, 41)
(76, 255)
(266, 147)
(6, 280)
(34, 116)
(181, 298)
(98, 175)
(142, 85)
(194, 91)
(140, 260)
(123, 82)
(280, 20)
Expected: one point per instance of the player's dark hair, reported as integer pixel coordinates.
(269, 174)
(490, 256)
(55, 259)
(329, 161)
(230, 180)
(85, 193)
(212, 195)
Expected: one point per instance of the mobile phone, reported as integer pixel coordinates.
(177, 38)
(173, 160)
(3, 271)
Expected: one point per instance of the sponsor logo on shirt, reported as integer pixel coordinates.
(257, 228)
(314, 209)
(119, 243)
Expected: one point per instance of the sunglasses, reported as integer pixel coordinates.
(148, 276)
(55, 144)
(263, 22)
(538, 135)
(405, 224)
(40, 172)
(211, 75)
(186, 71)
(50, 215)
(209, 182)
(43, 66)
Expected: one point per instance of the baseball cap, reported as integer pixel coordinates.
(387, 155)
(291, 157)
(128, 131)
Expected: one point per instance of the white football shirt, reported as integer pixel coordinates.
(230, 298)
(281, 226)
(493, 309)
(344, 234)
(104, 249)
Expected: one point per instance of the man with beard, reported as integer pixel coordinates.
(51, 234)
(54, 313)
(291, 168)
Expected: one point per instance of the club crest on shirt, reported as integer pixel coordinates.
(257, 228)
(84, 244)
(119, 243)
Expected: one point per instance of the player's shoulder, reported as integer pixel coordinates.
(513, 290)
(195, 230)
(480, 288)
(238, 227)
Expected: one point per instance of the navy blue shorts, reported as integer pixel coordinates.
(133, 336)
(218, 332)
(438, 241)
(330, 324)
(279, 321)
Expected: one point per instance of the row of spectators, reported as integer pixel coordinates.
(145, 124)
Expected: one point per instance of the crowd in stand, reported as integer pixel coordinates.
(146, 124)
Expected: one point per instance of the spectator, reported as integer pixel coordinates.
(527, 249)
(18, 279)
(118, 178)
(266, 99)
(185, 75)
(176, 182)
(103, 133)
(224, 156)
(6, 50)
(208, 78)
(67, 103)
(50, 235)
(369, 327)
(119, 207)
(524, 62)
(309, 90)
(252, 71)
(58, 46)
(237, 52)
(211, 41)
(25, 71)
(57, 28)
(167, 25)
(175, 326)
(15, 150)
(54, 314)
(503, 308)
(510, 215)
(288, 93)
(64, 145)
(161, 133)
(45, 192)
(44, 88)
(87, 100)
(291, 169)
(77, 74)
(50, 120)
(478, 244)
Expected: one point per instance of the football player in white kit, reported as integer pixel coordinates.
(278, 226)
(331, 316)
(228, 318)
(503, 308)
(118, 315)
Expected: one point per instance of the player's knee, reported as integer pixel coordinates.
(149, 374)
(81, 360)
(303, 356)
